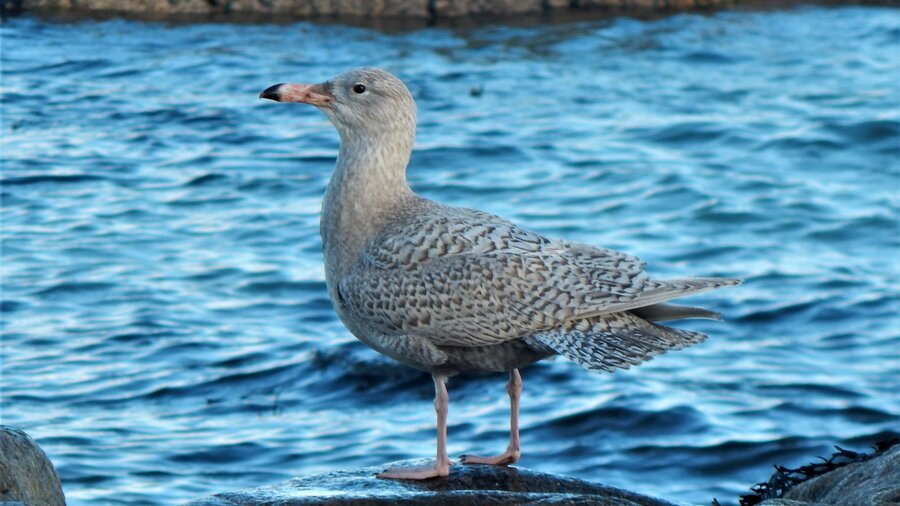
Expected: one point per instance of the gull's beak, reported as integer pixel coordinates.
(314, 94)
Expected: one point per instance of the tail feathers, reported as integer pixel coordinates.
(613, 341)
(668, 312)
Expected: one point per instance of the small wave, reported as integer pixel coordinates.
(11, 306)
(203, 202)
(239, 452)
(858, 229)
(345, 372)
(259, 380)
(869, 132)
(206, 179)
(809, 145)
(777, 313)
(730, 217)
(707, 56)
(140, 337)
(169, 115)
(62, 68)
(723, 458)
(620, 419)
(120, 73)
(874, 301)
(811, 388)
(74, 287)
(126, 214)
(853, 412)
(283, 287)
(869, 440)
(237, 138)
(266, 186)
(688, 132)
(438, 156)
(672, 196)
(316, 159)
(859, 414)
(86, 442)
(706, 252)
(156, 474)
(224, 272)
(241, 360)
(51, 178)
(83, 477)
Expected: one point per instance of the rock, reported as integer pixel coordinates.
(873, 482)
(26, 474)
(846, 477)
(423, 10)
(466, 485)
(457, 8)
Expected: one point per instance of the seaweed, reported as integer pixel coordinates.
(785, 478)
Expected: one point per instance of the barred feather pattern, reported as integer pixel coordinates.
(614, 341)
(459, 277)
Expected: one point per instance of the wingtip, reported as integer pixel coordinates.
(725, 281)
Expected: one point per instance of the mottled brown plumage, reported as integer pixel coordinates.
(450, 290)
(440, 276)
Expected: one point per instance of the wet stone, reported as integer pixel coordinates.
(26, 474)
(364, 9)
(466, 485)
(874, 482)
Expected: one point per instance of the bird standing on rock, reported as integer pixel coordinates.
(450, 290)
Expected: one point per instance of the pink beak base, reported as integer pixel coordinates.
(313, 94)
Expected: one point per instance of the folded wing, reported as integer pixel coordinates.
(472, 279)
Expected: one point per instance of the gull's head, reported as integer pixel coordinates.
(362, 103)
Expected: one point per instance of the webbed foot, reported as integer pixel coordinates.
(416, 473)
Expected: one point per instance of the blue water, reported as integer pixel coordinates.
(166, 329)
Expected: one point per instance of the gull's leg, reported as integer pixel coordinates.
(513, 451)
(441, 466)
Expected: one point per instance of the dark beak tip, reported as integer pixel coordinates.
(272, 93)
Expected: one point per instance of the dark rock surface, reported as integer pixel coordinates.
(874, 482)
(846, 478)
(26, 474)
(430, 10)
(466, 485)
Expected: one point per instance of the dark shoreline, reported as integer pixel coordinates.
(218, 11)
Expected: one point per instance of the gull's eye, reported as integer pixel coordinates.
(359, 89)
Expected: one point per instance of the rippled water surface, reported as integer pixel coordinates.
(166, 329)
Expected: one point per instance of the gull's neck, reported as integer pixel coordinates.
(367, 188)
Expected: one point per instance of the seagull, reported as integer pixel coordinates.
(450, 290)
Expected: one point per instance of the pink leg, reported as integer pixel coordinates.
(513, 451)
(441, 466)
